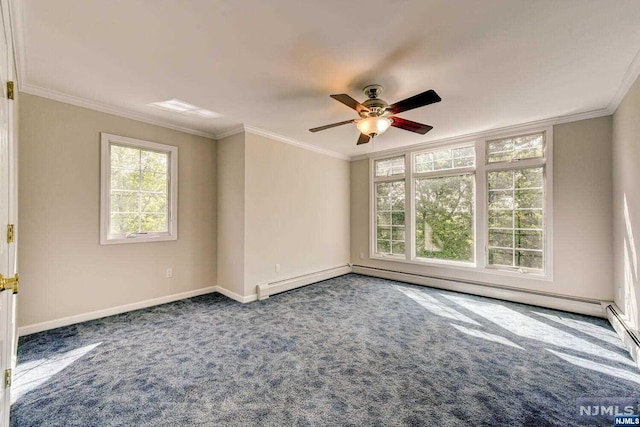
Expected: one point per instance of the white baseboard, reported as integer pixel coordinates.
(629, 337)
(263, 291)
(235, 296)
(66, 321)
(557, 302)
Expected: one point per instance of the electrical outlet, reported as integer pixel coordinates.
(277, 268)
(361, 255)
(169, 273)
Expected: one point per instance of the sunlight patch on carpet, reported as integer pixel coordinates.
(599, 367)
(30, 375)
(435, 306)
(487, 336)
(527, 327)
(595, 331)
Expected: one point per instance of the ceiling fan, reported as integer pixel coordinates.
(376, 115)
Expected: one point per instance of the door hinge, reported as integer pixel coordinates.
(12, 283)
(7, 378)
(11, 233)
(9, 90)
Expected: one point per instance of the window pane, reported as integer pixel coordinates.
(516, 218)
(384, 233)
(501, 219)
(122, 201)
(397, 233)
(448, 158)
(515, 148)
(501, 199)
(383, 218)
(529, 178)
(151, 161)
(528, 219)
(153, 203)
(501, 238)
(384, 247)
(424, 162)
(444, 217)
(529, 259)
(124, 223)
(397, 247)
(154, 181)
(528, 239)
(125, 157)
(500, 180)
(528, 199)
(390, 238)
(500, 256)
(390, 167)
(154, 223)
(125, 179)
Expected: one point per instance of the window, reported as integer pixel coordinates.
(444, 188)
(138, 191)
(390, 207)
(482, 204)
(516, 203)
(390, 217)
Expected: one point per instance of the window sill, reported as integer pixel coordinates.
(465, 267)
(138, 239)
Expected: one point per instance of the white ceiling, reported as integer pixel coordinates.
(271, 65)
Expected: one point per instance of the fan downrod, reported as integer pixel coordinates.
(373, 91)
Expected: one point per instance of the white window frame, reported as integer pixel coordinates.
(467, 170)
(481, 229)
(372, 208)
(106, 238)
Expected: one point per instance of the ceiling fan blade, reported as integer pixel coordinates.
(363, 139)
(349, 102)
(331, 125)
(410, 126)
(420, 100)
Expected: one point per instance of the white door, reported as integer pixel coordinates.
(8, 215)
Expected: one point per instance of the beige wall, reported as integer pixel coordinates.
(231, 206)
(296, 210)
(626, 204)
(64, 271)
(582, 217)
(278, 204)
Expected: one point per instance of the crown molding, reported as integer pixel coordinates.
(261, 132)
(106, 108)
(274, 136)
(628, 80)
(233, 131)
(522, 127)
(110, 109)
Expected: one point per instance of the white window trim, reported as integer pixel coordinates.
(481, 229)
(106, 238)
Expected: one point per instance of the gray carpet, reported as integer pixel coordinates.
(352, 351)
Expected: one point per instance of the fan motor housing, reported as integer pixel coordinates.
(377, 107)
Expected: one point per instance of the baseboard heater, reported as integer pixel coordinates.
(507, 293)
(264, 290)
(627, 335)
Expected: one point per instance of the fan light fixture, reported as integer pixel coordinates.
(373, 126)
(376, 116)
